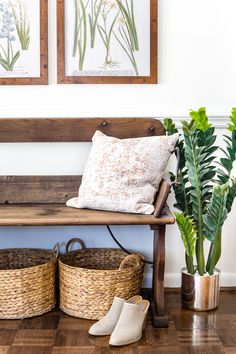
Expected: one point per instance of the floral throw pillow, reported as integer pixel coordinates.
(124, 174)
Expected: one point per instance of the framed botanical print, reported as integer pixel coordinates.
(23, 42)
(107, 41)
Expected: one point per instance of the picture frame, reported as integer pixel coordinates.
(24, 42)
(107, 42)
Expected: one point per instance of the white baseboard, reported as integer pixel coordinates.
(173, 280)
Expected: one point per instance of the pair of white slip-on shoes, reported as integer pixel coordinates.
(124, 321)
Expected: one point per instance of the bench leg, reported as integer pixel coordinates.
(157, 296)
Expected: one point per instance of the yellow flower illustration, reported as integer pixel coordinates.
(121, 21)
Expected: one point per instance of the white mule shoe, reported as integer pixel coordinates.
(130, 324)
(106, 324)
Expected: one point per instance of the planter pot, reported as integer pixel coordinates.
(200, 293)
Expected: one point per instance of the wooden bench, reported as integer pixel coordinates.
(40, 200)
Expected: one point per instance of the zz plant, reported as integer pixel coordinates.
(204, 190)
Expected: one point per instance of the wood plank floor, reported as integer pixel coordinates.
(188, 333)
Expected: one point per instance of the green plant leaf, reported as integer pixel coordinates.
(230, 156)
(217, 212)
(4, 65)
(188, 234)
(200, 119)
(3, 60)
(182, 192)
(170, 126)
(214, 220)
(231, 195)
(14, 60)
(227, 164)
(130, 23)
(101, 30)
(232, 126)
(112, 25)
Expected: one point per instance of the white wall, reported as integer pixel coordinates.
(197, 56)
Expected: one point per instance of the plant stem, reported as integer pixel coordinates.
(23, 31)
(106, 34)
(189, 264)
(191, 153)
(75, 29)
(200, 254)
(8, 53)
(80, 31)
(93, 21)
(84, 40)
(128, 13)
(214, 255)
(127, 47)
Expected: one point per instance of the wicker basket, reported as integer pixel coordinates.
(27, 282)
(90, 278)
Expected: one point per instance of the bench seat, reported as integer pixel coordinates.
(60, 214)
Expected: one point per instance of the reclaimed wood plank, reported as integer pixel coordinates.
(75, 129)
(38, 189)
(57, 214)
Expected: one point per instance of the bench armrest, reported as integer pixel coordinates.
(161, 197)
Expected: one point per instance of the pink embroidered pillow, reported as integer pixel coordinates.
(123, 174)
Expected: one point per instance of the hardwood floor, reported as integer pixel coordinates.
(188, 333)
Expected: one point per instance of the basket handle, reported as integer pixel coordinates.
(133, 256)
(73, 240)
(56, 249)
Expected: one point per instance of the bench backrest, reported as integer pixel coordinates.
(58, 189)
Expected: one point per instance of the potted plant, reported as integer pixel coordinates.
(204, 192)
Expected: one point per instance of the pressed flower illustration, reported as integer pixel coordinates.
(125, 40)
(128, 15)
(113, 26)
(22, 30)
(107, 31)
(19, 10)
(93, 18)
(80, 31)
(8, 57)
(127, 37)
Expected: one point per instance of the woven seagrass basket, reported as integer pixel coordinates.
(27, 282)
(91, 277)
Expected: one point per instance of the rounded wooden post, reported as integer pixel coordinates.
(158, 310)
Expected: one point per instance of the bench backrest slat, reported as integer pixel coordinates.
(58, 189)
(75, 129)
(38, 189)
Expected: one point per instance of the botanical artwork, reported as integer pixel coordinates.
(19, 38)
(107, 38)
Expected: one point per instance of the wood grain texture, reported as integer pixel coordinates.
(38, 189)
(43, 337)
(7, 336)
(29, 350)
(63, 79)
(58, 214)
(75, 129)
(189, 332)
(158, 276)
(43, 79)
(161, 197)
